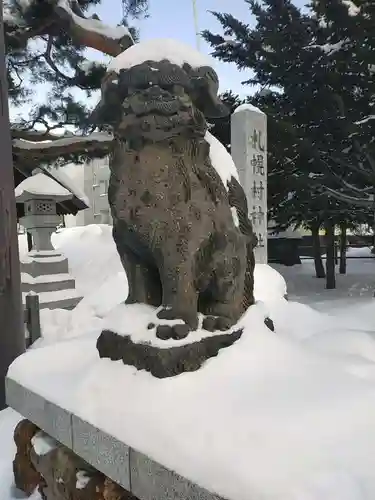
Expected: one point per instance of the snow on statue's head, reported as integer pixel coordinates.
(158, 89)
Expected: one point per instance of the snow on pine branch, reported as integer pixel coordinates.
(65, 145)
(89, 32)
(353, 9)
(329, 48)
(111, 40)
(365, 120)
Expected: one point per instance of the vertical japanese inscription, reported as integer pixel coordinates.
(249, 152)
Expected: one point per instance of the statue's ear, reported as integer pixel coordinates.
(108, 110)
(205, 85)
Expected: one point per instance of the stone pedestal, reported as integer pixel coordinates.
(44, 270)
(249, 152)
(134, 472)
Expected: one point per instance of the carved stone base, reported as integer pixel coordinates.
(26, 477)
(44, 464)
(163, 362)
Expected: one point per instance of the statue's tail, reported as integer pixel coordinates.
(237, 200)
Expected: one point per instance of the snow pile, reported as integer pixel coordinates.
(284, 415)
(91, 253)
(269, 285)
(360, 252)
(156, 50)
(293, 416)
(43, 185)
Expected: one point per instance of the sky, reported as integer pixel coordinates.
(175, 19)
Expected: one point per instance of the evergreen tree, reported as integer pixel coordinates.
(220, 127)
(315, 98)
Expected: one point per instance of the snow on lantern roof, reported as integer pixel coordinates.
(41, 186)
(249, 107)
(66, 182)
(156, 50)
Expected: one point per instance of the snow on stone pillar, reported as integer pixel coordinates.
(249, 153)
(44, 270)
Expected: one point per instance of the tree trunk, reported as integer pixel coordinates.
(12, 336)
(319, 268)
(330, 253)
(343, 248)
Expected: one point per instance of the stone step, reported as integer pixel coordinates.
(60, 299)
(35, 266)
(47, 283)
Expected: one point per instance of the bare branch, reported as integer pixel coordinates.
(48, 58)
(361, 202)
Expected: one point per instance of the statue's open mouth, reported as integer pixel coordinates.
(155, 100)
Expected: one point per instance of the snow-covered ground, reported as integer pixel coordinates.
(294, 409)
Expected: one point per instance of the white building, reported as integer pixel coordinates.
(93, 179)
(96, 180)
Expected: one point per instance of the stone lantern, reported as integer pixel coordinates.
(44, 270)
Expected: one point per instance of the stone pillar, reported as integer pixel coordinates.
(249, 152)
(44, 270)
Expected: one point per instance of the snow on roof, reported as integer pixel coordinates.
(249, 107)
(221, 160)
(43, 185)
(156, 50)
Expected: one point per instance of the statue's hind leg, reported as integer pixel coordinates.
(143, 280)
(180, 298)
(227, 288)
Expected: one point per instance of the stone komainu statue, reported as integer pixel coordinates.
(172, 214)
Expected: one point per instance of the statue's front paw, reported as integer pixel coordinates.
(213, 323)
(175, 332)
(170, 313)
